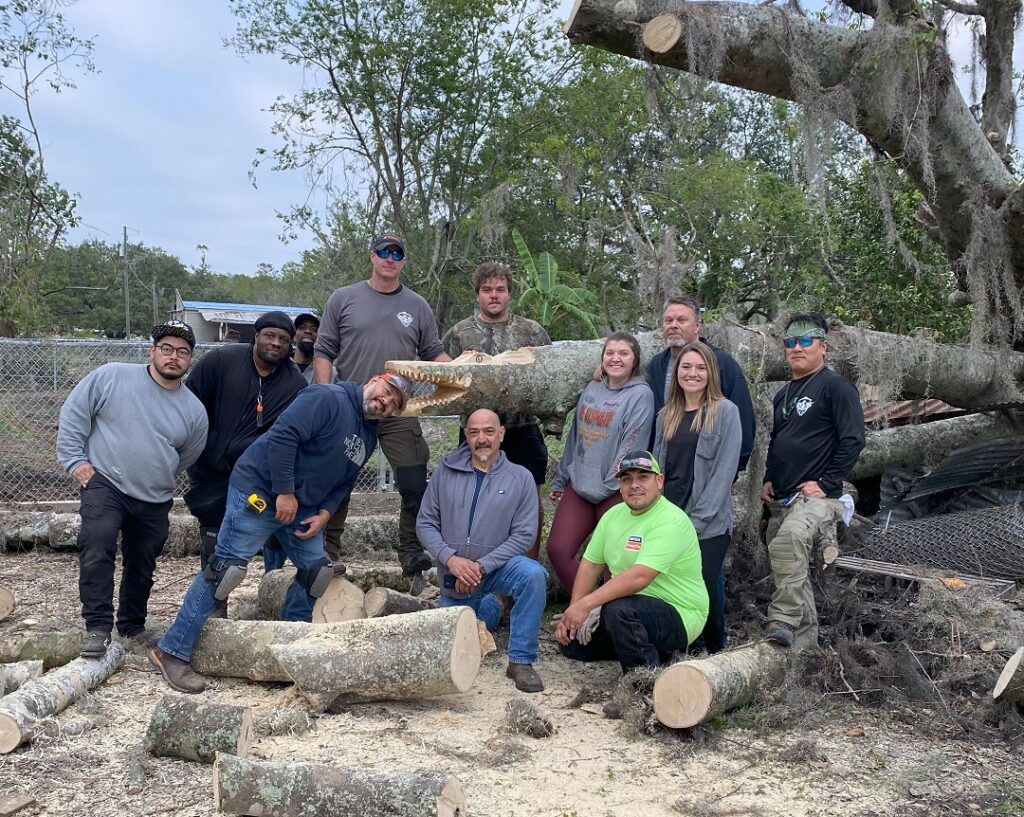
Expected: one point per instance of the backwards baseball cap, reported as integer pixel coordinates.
(307, 316)
(386, 240)
(401, 384)
(174, 329)
(275, 320)
(638, 461)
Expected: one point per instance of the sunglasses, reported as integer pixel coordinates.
(395, 254)
(804, 341)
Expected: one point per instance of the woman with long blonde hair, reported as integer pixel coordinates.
(698, 443)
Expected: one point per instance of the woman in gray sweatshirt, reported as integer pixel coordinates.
(697, 443)
(613, 415)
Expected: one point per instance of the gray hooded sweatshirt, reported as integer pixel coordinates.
(608, 423)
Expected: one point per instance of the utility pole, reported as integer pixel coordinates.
(156, 304)
(127, 303)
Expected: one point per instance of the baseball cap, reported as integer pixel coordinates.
(401, 384)
(307, 316)
(386, 240)
(174, 329)
(638, 461)
(275, 320)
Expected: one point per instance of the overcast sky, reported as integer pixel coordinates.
(162, 137)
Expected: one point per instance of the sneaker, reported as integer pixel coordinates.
(417, 584)
(525, 677)
(178, 674)
(145, 638)
(94, 644)
(780, 633)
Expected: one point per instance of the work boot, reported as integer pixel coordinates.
(420, 563)
(94, 644)
(525, 677)
(144, 638)
(338, 568)
(177, 673)
(417, 584)
(780, 633)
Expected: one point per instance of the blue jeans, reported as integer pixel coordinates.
(526, 581)
(241, 536)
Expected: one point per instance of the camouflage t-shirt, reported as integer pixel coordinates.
(493, 339)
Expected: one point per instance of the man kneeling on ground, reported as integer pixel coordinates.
(656, 602)
(478, 520)
(286, 485)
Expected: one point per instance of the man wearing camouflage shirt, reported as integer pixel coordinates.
(492, 331)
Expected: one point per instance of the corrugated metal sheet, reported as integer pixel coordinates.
(900, 411)
(258, 308)
(1000, 460)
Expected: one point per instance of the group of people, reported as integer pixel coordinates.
(647, 475)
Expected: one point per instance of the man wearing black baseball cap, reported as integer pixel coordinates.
(656, 602)
(307, 326)
(365, 325)
(125, 433)
(244, 389)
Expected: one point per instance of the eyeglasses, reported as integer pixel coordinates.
(804, 341)
(395, 254)
(167, 350)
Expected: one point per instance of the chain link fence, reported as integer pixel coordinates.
(36, 377)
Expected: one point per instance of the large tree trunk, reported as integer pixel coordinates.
(54, 648)
(21, 711)
(16, 675)
(342, 601)
(299, 789)
(763, 48)
(186, 728)
(694, 692)
(1010, 684)
(418, 655)
(383, 601)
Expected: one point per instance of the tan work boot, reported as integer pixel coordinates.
(178, 674)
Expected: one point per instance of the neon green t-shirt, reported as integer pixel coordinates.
(662, 538)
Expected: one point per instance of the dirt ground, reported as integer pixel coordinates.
(838, 758)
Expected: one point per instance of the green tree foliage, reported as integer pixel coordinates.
(562, 309)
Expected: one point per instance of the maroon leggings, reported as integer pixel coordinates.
(575, 519)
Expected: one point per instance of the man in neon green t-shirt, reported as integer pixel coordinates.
(656, 602)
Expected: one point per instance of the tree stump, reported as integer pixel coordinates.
(383, 601)
(342, 601)
(21, 711)
(418, 655)
(693, 692)
(186, 728)
(1010, 684)
(54, 648)
(16, 675)
(315, 790)
(7, 603)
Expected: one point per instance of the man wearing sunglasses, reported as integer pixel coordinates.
(126, 431)
(365, 325)
(817, 435)
(244, 389)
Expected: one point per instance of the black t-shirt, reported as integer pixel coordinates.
(678, 466)
(226, 382)
(818, 433)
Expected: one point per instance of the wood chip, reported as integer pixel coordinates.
(15, 803)
(593, 709)
(855, 732)
(987, 645)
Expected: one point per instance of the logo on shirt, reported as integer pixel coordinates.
(405, 318)
(803, 405)
(634, 542)
(355, 449)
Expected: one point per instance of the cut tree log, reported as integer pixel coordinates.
(21, 711)
(662, 32)
(7, 603)
(342, 601)
(694, 692)
(1010, 684)
(183, 727)
(54, 648)
(15, 675)
(310, 789)
(241, 649)
(408, 657)
(383, 601)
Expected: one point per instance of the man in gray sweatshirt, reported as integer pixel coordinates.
(126, 431)
(478, 519)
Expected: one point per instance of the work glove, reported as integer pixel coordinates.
(589, 626)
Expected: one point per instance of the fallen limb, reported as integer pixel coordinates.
(383, 601)
(693, 692)
(190, 729)
(54, 648)
(1010, 684)
(301, 789)
(342, 601)
(21, 711)
(16, 675)
(409, 657)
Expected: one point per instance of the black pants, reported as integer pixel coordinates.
(712, 554)
(106, 512)
(639, 631)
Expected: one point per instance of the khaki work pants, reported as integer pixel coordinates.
(792, 532)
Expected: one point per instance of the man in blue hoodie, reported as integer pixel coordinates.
(287, 484)
(478, 519)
